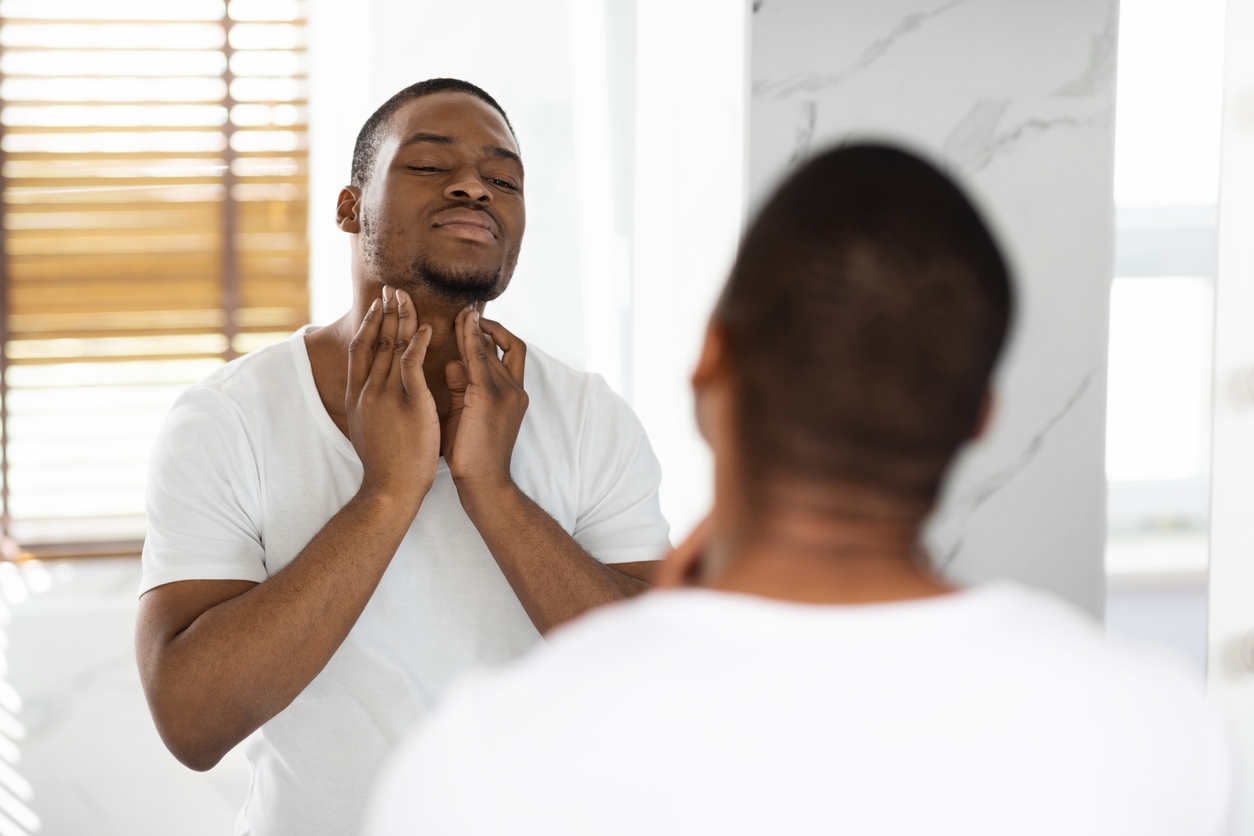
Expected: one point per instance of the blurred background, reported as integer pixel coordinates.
(168, 178)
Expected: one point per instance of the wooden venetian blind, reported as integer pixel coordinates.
(154, 215)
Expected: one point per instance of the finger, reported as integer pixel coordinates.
(455, 376)
(383, 343)
(361, 349)
(406, 327)
(412, 378)
(474, 352)
(515, 350)
(682, 566)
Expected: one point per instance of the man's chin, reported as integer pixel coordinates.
(462, 284)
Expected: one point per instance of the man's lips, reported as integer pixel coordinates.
(469, 224)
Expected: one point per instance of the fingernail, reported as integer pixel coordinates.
(373, 306)
(475, 317)
(400, 301)
(387, 293)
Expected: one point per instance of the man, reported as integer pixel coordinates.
(342, 522)
(817, 677)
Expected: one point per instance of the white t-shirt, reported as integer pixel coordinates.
(987, 712)
(249, 467)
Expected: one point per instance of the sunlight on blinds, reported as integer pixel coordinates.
(154, 174)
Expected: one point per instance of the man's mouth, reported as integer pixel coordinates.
(468, 224)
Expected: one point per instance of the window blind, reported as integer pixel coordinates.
(153, 168)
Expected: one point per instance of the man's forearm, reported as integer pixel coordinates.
(553, 577)
(215, 680)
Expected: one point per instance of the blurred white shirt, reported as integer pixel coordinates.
(993, 710)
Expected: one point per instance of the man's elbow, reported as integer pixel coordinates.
(185, 728)
(189, 744)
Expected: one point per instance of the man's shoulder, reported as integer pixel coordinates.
(564, 396)
(558, 382)
(1006, 631)
(264, 375)
(1062, 632)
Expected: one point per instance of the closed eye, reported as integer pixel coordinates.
(423, 168)
(504, 184)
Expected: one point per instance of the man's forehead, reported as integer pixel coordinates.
(461, 117)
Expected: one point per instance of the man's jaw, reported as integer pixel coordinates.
(458, 286)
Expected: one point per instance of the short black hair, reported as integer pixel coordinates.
(367, 145)
(867, 307)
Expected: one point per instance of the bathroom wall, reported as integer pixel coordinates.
(78, 750)
(1231, 623)
(1017, 99)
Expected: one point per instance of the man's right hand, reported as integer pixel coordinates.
(392, 418)
(218, 658)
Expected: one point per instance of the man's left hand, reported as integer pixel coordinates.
(488, 404)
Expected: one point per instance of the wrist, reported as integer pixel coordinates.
(391, 501)
(486, 498)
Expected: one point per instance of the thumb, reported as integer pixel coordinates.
(683, 564)
(412, 377)
(457, 379)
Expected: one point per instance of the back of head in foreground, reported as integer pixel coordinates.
(845, 364)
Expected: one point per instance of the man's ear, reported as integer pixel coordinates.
(713, 358)
(987, 408)
(711, 371)
(348, 209)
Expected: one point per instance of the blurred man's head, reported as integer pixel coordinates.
(437, 193)
(859, 328)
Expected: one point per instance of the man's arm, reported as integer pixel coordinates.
(552, 575)
(220, 658)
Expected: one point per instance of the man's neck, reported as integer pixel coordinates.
(328, 348)
(812, 554)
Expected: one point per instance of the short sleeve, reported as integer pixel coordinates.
(203, 499)
(620, 519)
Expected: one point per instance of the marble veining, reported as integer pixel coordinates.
(810, 82)
(1018, 99)
(957, 513)
(975, 140)
(1099, 75)
(805, 132)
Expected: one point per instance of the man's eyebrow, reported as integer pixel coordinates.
(434, 139)
(437, 139)
(502, 153)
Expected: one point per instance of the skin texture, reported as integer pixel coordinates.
(808, 543)
(409, 375)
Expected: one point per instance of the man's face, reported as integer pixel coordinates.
(443, 209)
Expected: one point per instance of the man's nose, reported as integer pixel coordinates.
(467, 185)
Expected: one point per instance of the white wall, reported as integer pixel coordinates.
(1231, 634)
(689, 205)
(1018, 99)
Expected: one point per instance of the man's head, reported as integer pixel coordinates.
(859, 328)
(437, 193)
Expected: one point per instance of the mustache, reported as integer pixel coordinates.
(463, 204)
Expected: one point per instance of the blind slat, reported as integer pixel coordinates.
(115, 255)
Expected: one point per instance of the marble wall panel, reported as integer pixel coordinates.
(1017, 99)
